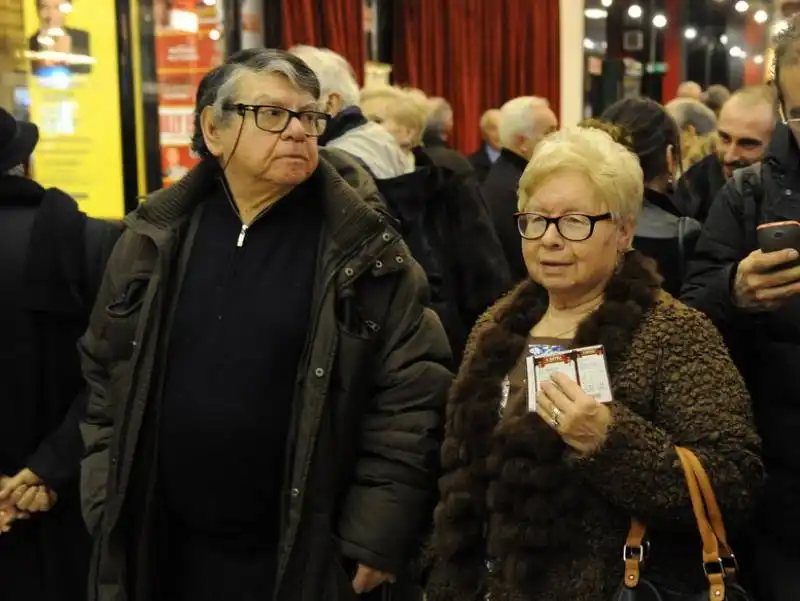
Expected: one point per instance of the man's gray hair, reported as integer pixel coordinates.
(335, 74)
(487, 115)
(219, 86)
(518, 118)
(692, 113)
(439, 115)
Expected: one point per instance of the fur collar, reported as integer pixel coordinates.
(505, 480)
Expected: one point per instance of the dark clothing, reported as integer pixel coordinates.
(445, 156)
(51, 260)
(500, 194)
(444, 221)
(347, 120)
(663, 234)
(765, 345)
(231, 367)
(778, 566)
(552, 522)
(481, 163)
(359, 479)
(698, 187)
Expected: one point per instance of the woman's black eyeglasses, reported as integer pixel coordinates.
(573, 227)
(275, 119)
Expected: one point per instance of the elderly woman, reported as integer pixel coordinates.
(536, 505)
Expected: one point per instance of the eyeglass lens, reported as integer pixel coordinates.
(572, 227)
(276, 120)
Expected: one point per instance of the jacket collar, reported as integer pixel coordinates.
(349, 220)
(509, 156)
(19, 191)
(662, 201)
(349, 119)
(477, 444)
(783, 155)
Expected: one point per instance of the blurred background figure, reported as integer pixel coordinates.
(483, 158)
(690, 89)
(744, 130)
(52, 258)
(715, 97)
(698, 126)
(399, 113)
(440, 122)
(349, 130)
(524, 122)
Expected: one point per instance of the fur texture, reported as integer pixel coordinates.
(522, 516)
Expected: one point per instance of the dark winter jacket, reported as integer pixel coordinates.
(523, 516)
(361, 469)
(698, 187)
(765, 345)
(500, 194)
(52, 258)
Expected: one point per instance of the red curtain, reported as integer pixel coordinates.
(478, 54)
(334, 24)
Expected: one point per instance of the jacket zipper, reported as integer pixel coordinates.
(245, 226)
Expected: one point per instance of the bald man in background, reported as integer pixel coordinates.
(690, 89)
(483, 158)
(744, 130)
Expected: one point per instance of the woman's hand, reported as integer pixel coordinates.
(581, 421)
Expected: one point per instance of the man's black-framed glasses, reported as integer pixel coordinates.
(275, 119)
(574, 227)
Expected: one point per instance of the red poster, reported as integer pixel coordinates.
(188, 45)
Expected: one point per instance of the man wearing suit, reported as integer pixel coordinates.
(54, 36)
(483, 158)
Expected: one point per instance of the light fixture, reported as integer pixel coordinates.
(659, 21)
(595, 13)
(761, 16)
(607, 3)
(737, 52)
(742, 6)
(758, 59)
(635, 11)
(214, 34)
(780, 27)
(588, 44)
(690, 33)
(209, 2)
(65, 7)
(723, 39)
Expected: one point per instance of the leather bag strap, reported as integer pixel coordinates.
(712, 561)
(634, 552)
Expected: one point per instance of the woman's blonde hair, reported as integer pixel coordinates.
(400, 106)
(613, 170)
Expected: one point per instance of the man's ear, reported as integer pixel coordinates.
(211, 132)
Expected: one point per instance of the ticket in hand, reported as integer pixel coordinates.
(586, 366)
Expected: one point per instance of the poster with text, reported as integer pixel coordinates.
(71, 52)
(188, 45)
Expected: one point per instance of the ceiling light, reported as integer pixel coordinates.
(690, 33)
(723, 39)
(607, 3)
(761, 16)
(588, 44)
(659, 21)
(758, 59)
(742, 6)
(737, 52)
(635, 11)
(214, 34)
(595, 13)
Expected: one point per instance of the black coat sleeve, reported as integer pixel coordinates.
(387, 511)
(722, 245)
(57, 459)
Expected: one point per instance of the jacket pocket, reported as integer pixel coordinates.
(340, 587)
(122, 319)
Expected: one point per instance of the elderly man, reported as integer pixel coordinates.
(524, 122)
(349, 130)
(698, 126)
(715, 97)
(266, 386)
(744, 130)
(483, 158)
(690, 89)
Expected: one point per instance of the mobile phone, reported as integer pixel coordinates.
(780, 235)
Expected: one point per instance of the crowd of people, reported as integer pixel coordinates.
(307, 370)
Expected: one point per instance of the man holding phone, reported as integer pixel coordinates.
(746, 279)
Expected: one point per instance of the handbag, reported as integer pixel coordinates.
(719, 562)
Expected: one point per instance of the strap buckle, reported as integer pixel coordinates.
(711, 568)
(637, 552)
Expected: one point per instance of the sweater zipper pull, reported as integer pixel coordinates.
(242, 234)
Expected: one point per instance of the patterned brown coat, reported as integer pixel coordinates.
(522, 516)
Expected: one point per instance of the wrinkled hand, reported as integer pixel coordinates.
(758, 287)
(368, 579)
(582, 422)
(26, 492)
(10, 514)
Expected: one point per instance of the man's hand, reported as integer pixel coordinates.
(26, 492)
(758, 287)
(368, 579)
